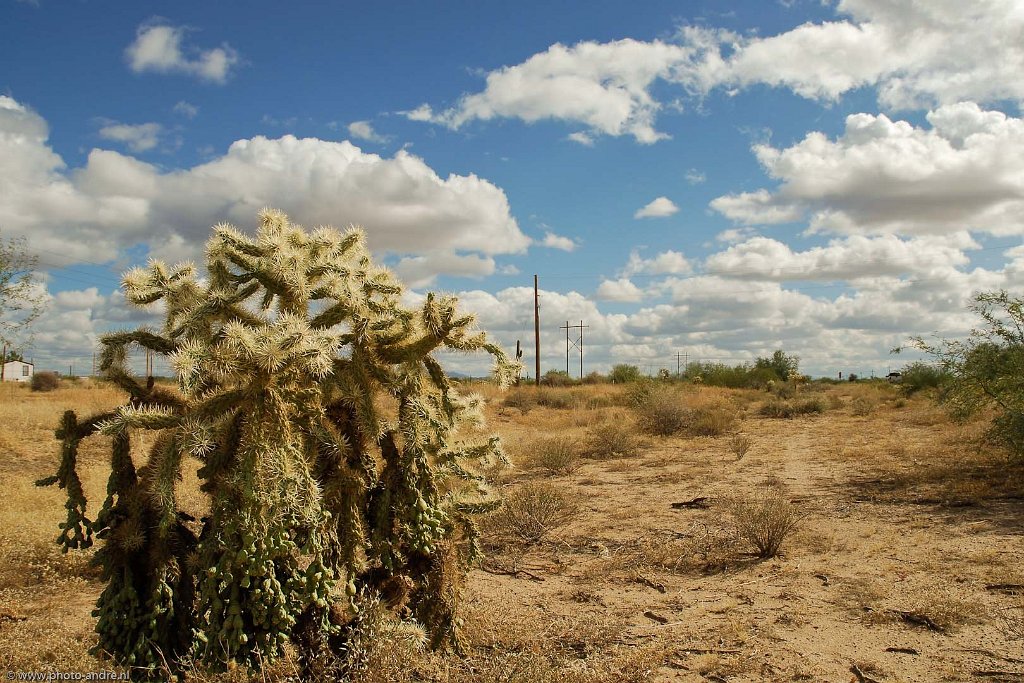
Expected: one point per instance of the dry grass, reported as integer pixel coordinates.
(862, 406)
(792, 408)
(664, 410)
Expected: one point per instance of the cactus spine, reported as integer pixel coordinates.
(328, 437)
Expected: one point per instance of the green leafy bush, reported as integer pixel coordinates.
(919, 376)
(623, 373)
(782, 365)
(987, 368)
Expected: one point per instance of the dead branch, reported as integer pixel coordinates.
(698, 503)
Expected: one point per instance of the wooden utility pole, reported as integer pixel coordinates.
(536, 327)
(3, 366)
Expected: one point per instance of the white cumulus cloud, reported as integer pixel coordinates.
(140, 137)
(621, 289)
(665, 263)
(915, 54)
(158, 47)
(553, 241)
(115, 201)
(964, 172)
(657, 208)
(605, 86)
(363, 130)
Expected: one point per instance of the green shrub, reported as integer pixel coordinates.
(986, 370)
(919, 376)
(45, 381)
(783, 366)
(622, 373)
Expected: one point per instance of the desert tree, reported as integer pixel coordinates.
(327, 441)
(987, 367)
(21, 299)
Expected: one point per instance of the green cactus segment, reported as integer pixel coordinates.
(326, 437)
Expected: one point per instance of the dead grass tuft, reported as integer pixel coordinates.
(616, 439)
(555, 455)
(790, 409)
(529, 513)
(740, 444)
(764, 520)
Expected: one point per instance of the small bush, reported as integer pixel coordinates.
(661, 412)
(765, 520)
(789, 409)
(557, 378)
(740, 444)
(530, 512)
(612, 440)
(557, 455)
(45, 381)
(863, 406)
(557, 399)
(713, 419)
(919, 376)
(521, 399)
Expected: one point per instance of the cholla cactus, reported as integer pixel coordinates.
(327, 434)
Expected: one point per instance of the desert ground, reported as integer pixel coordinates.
(906, 561)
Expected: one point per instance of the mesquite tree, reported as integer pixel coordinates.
(326, 437)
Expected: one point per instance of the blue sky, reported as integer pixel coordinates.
(719, 179)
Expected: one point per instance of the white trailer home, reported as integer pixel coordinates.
(18, 371)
